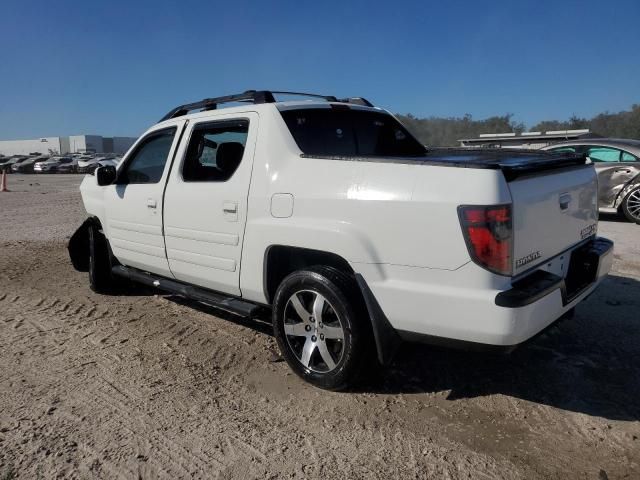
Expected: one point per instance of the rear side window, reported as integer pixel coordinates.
(215, 151)
(337, 132)
(627, 157)
(603, 154)
(147, 162)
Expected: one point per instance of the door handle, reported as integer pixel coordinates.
(230, 207)
(623, 170)
(151, 203)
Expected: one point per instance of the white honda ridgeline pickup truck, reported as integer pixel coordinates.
(357, 237)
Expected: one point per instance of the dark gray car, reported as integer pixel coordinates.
(617, 162)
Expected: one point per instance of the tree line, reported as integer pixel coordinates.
(438, 131)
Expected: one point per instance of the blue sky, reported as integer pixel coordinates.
(114, 68)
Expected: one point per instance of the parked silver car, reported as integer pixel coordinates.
(89, 164)
(617, 162)
(67, 167)
(51, 165)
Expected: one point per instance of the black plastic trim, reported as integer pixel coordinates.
(539, 284)
(214, 299)
(255, 97)
(529, 290)
(386, 337)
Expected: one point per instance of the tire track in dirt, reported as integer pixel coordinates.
(152, 387)
(50, 311)
(122, 408)
(118, 401)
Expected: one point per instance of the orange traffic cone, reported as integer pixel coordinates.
(3, 184)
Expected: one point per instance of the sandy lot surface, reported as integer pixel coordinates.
(148, 386)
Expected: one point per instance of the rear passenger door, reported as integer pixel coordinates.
(205, 207)
(133, 203)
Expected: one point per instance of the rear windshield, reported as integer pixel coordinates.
(351, 133)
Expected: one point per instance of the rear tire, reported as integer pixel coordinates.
(100, 278)
(631, 205)
(322, 329)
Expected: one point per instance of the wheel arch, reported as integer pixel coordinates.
(631, 185)
(78, 246)
(281, 260)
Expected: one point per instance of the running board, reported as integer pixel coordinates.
(217, 300)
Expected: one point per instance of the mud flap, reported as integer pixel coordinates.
(78, 247)
(386, 338)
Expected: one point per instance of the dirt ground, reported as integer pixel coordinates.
(149, 386)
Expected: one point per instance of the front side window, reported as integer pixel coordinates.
(350, 132)
(603, 154)
(147, 162)
(215, 151)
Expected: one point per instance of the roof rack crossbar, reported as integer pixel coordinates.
(328, 98)
(256, 97)
(357, 101)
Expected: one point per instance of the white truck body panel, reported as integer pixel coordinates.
(395, 223)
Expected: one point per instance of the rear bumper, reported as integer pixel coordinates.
(593, 257)
(439, 308)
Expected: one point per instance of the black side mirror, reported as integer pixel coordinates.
(106, 175)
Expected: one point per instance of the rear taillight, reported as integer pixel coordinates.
(488, 233)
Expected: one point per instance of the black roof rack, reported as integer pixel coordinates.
(254, 96)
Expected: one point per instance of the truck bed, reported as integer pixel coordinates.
(513, 163)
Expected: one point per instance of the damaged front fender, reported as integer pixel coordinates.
(78, 246)
(632, 185)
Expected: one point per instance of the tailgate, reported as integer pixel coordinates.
(552, 212)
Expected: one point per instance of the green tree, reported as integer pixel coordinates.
(445, 132)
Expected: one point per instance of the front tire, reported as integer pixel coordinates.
(631, 205)
(100, 278)
(321, 327)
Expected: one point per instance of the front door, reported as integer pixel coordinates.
(134, 203)
(206, 202)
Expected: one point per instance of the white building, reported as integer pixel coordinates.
(86, 143)
(42, 145)
(64, 145)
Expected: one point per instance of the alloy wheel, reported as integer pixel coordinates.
(633, 204)
(314, 331)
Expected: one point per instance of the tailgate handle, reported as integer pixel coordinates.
(565, 200)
